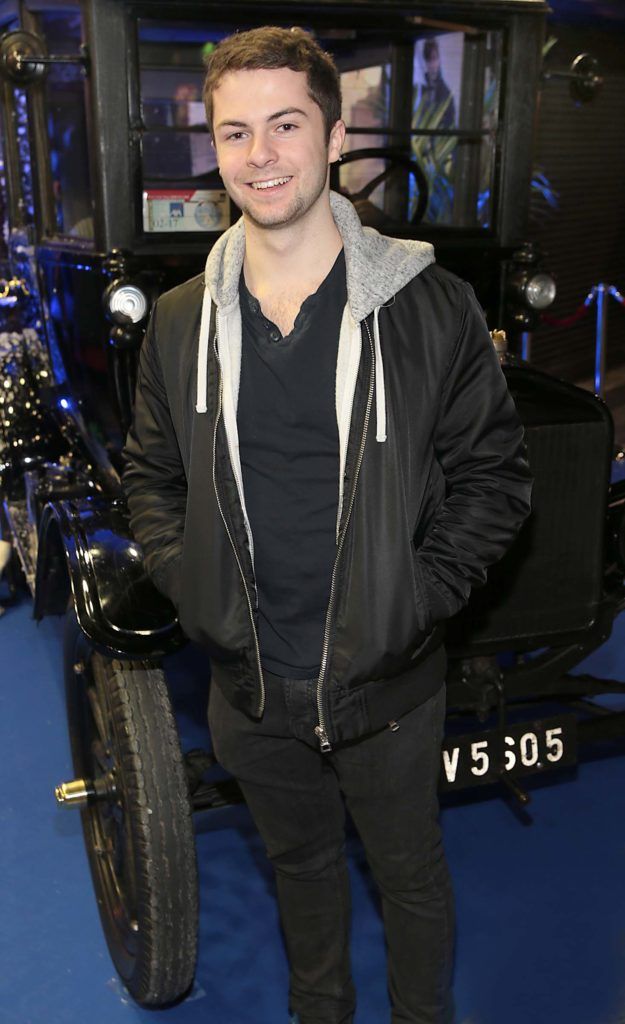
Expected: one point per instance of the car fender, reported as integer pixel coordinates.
(86, 549)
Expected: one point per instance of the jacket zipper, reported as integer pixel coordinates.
(261, 706)
(320, 729)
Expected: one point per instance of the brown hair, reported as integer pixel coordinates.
(270, 48)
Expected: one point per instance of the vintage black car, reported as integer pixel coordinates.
(109, 195)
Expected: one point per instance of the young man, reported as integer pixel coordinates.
(323, 461)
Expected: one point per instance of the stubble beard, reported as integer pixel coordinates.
(297, 208)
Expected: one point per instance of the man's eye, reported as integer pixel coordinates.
(286, 127)
(235, 136)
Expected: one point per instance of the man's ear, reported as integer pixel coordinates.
(335, 144)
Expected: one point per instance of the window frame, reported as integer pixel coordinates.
(45, 208)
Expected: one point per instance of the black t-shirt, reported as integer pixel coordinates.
(289, 447)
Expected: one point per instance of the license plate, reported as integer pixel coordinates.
(474, 759)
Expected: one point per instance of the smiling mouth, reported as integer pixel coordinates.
(262, 186)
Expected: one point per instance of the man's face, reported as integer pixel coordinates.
(271, 145)
(433, 65)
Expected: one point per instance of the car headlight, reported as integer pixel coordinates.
(540, 291)
(125, 303)
(531, 289)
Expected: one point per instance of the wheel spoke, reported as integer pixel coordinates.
(96, 711)
(100, 756)
(118, 866)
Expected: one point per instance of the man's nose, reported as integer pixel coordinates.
(261, 151)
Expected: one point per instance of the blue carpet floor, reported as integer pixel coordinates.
(540, 900)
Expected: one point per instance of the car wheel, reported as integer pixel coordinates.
(137, 821)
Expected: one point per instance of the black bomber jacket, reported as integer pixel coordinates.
(433, 484)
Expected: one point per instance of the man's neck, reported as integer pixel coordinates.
(288, 258)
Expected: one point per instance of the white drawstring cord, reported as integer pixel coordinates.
(202, 367)
(202, 352)
(380, 393)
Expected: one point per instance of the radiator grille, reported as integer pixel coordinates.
(551, 580)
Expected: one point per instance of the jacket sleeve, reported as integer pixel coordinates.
(478, 442)
(154, 479)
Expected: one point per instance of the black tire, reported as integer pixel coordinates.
(139, 831)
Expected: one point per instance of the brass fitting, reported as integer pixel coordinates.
(75, 793)
(499, 341)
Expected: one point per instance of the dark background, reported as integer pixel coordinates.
(581, 150)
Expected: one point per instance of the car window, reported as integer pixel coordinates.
(182, 190)
(450, 104)
(431, 94)
(67, 129)
(26, 204)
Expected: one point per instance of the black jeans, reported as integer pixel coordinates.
(295, 795)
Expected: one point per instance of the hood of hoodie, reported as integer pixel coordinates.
(376, 266)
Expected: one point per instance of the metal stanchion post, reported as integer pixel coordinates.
(600, 337)
(600, 292)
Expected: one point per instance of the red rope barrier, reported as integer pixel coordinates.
(567, 321)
